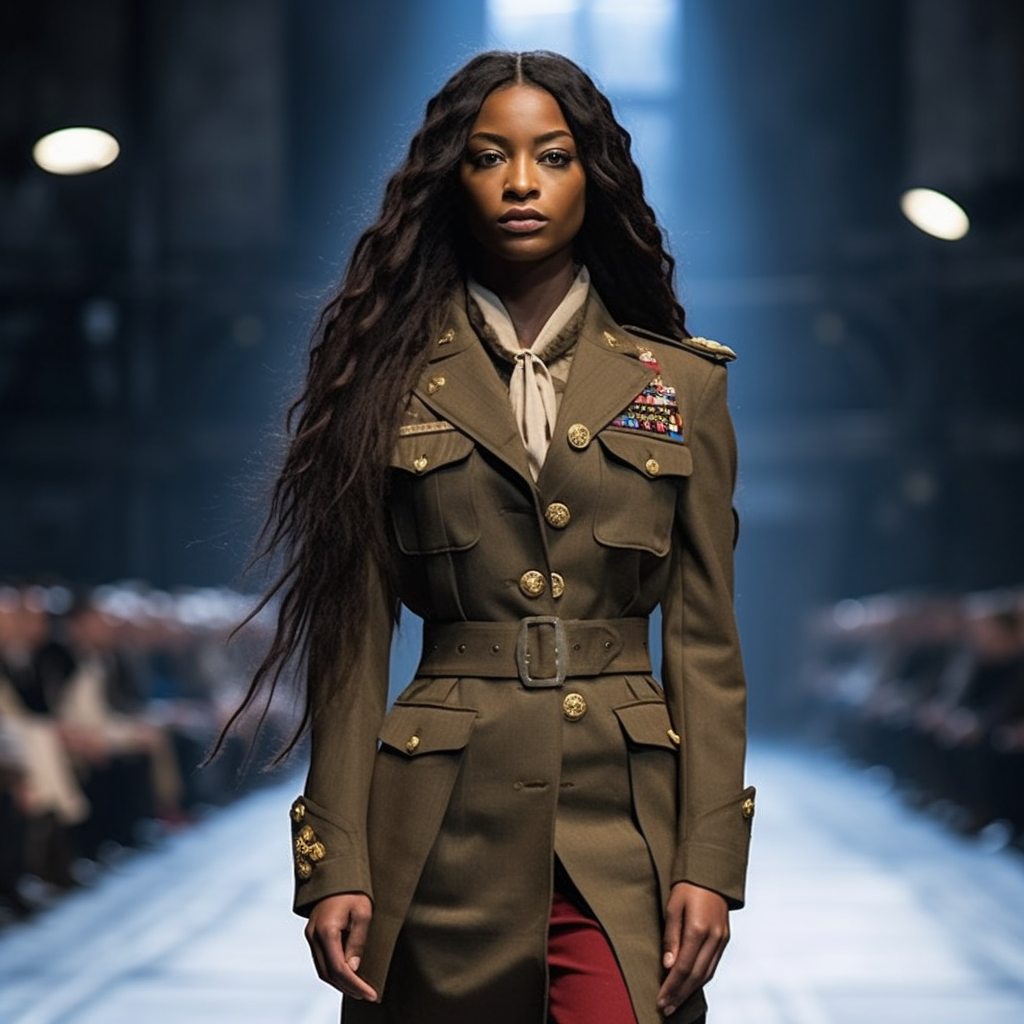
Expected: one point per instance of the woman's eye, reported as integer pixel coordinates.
(489, 158)
(556, 158)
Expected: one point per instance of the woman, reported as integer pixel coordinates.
(537, 830)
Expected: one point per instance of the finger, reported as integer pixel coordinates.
(695, 966)
(671, 935)
(318, 959)
(329, 955)
(355, 941)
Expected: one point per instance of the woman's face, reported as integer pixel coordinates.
(522, 181)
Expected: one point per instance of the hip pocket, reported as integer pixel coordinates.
(653, 753)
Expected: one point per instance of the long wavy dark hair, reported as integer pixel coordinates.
(326, 521)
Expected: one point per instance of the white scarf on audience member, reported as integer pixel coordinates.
(531, 390)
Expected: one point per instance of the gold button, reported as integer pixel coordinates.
(412, 743)
(419, 464)
(574, 706)
(303, 868)
(435, 384)
(652, 466)
(579, 436)
(448, 335)
(747, 808)
(557, 515)
(674, 737)
(557, 584)
(306, 834)
(317, 851)
(298, 811)
(532, 583)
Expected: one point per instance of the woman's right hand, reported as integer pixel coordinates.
(336, 933)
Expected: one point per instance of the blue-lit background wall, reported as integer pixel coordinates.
(154, 316)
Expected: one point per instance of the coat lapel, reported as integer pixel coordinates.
(606, 375)
(462, 386)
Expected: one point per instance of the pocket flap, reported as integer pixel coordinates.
(647, 724)
(422, 453)
(415, 729)
(638, 449)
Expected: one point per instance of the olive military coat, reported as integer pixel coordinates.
(448, 808)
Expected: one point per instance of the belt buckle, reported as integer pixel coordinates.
(523, 652)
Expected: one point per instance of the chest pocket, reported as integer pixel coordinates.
(640, 480)
(433, 507)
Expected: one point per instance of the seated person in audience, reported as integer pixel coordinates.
(99, 706)
(39, 779)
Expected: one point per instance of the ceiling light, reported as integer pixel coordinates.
(75, 151)
(935, 214)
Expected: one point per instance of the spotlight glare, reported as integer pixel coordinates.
(935, 214)
(76, 151)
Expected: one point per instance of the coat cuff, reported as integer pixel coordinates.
(327, 858)
(714, 855)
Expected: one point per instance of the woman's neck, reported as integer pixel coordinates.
(530, 292)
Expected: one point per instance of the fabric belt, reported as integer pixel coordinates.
(540, 650)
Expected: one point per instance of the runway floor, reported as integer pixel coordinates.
(860, 912)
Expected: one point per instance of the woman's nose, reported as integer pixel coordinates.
(521, 182)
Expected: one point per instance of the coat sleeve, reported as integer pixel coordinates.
(329, 820)
(702, 669)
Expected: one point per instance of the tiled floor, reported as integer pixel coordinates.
(859, 913)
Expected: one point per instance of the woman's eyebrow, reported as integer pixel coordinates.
(500, 140)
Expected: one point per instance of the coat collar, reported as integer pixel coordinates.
(461, 385)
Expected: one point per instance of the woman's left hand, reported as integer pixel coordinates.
(696, 931)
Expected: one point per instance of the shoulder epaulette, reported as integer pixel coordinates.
(701, 346)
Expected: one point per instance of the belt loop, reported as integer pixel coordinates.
(523, 652)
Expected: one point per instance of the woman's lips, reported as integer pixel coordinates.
(522, 222)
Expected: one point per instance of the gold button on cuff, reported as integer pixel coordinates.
(412, 743)
(574, 706)
(557, 584)
(579, 436)
(652, 466)
(448, 336)
(532, 583)
(298, 811)
(308, 850)
(747, 808)
(674, 737)
(419, 464)
(557, 515)
(435, 384)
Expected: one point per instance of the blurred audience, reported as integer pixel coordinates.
(931, 688)
(109, 702)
